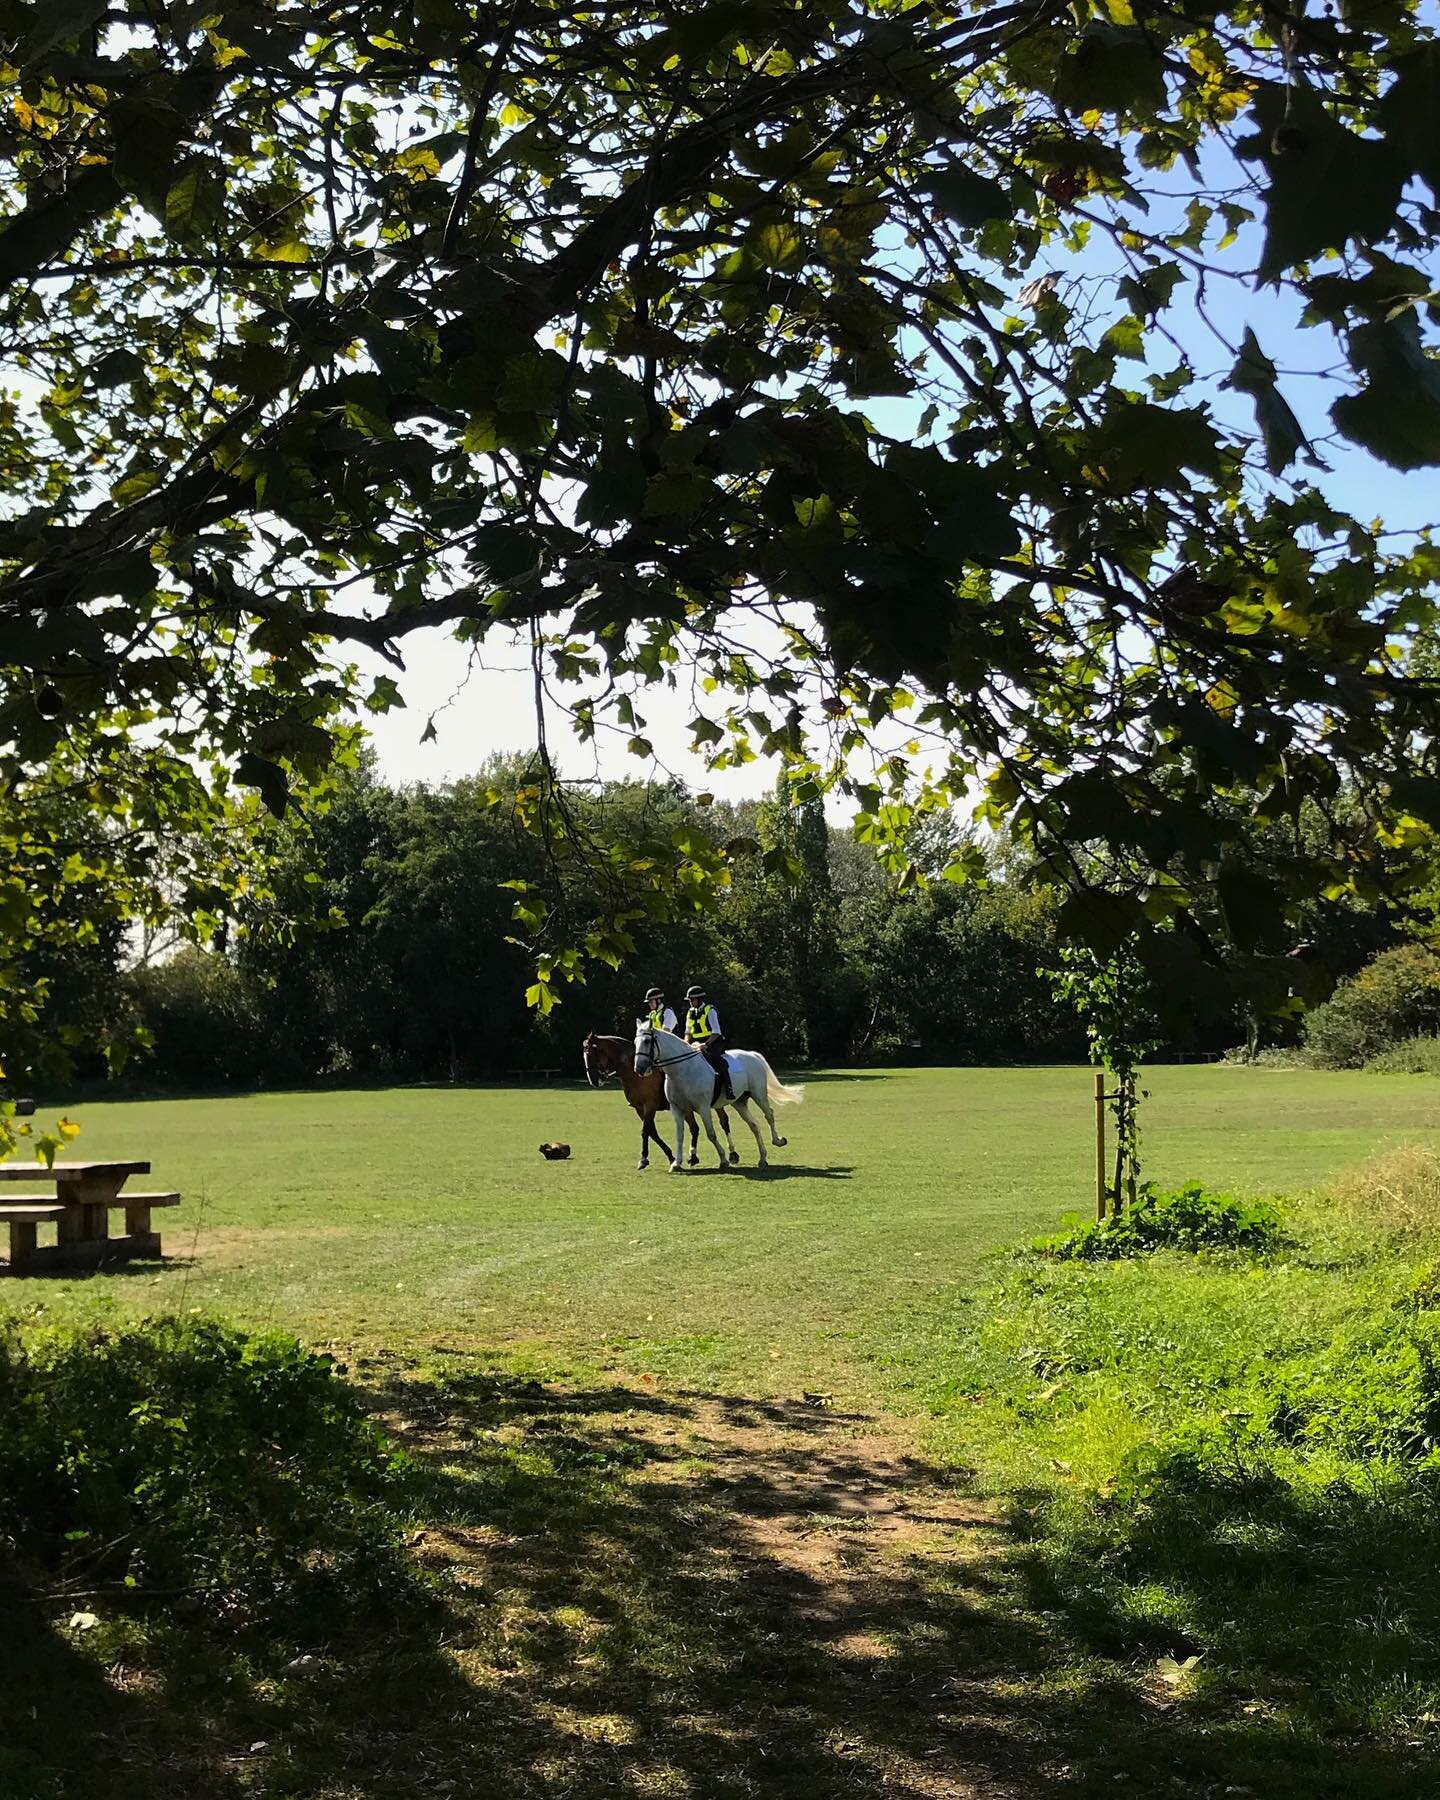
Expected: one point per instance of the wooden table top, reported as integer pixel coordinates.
(71, 1171)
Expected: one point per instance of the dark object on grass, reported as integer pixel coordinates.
(24, 1109)
(554, 1152)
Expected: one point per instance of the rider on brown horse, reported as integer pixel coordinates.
(702, 1029)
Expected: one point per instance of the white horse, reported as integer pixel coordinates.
(690, 1087)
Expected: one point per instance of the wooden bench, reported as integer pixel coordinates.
(85, 1195)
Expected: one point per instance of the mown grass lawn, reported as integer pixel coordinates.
(715, 1473)
(414, 1217)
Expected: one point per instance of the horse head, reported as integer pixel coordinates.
(646, 1055)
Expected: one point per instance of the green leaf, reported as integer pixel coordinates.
(135, 487)
(777, 244)
(1126, 338)
(700, 31)
(966, 197)
(676, 496)
(1151, 291)
(1328, 186)
(1387, 288)
(531, 382)
(1418, 795)
(1251, 909)
(1141, 445)
(1114, 69)
(384, 696)
(1254, 374)
(1397, 417)
(1408, 112)
(59, 21)
(195, 200)
(267, 777)
(1103, 921)
(115, 367)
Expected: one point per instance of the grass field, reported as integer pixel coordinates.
(413, 1217)
(698, 1471)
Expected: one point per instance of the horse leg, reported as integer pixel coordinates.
(677, 1162)
(710, 1133)
(742, 1106)
(725, 1127)
(763, 1102)
(694, 1140)
(654, 1137)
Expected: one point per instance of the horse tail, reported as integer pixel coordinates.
(787, 1096)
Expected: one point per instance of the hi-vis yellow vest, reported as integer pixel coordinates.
(697, 1024)
(657, 1019)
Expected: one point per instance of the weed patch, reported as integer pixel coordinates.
(184, 1460)
(1418, 1055)
(1191, 1218)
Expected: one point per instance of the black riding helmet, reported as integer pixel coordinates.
(654, 994)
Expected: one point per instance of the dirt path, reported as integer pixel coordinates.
(720, 1596)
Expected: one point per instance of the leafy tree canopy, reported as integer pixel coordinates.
(839, 358)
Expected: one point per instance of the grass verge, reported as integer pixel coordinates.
(1226, 1468)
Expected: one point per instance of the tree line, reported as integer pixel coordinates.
(384, 946)
(408, 967)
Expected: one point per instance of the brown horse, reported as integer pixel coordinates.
(605, 1056)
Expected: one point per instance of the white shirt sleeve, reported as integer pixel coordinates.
(671, 1022)
(713, 1020)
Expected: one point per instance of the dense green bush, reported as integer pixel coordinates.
(1394, 997)
(1189, 1219)
(186, 1457)
(1418, 1055)
(202, 1014)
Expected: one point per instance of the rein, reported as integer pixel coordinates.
(669, 1062)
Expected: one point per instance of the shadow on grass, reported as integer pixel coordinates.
(713, 1595)
(1314, 1611)
(147, 1266)
(787, 1171)
(67, 1732)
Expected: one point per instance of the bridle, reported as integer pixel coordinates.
(652, 1061)
(596, 1076)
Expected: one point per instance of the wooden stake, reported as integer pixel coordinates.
(1100, 1189)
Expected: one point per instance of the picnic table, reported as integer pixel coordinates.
(84, 1196)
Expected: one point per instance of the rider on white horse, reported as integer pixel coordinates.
(702, 1030)
(657, 1013)
(690, 1087)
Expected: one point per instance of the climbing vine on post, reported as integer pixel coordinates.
(1111, 995)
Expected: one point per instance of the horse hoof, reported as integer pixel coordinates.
(677, 1168)
(780, 1143)
(644, 1163)
(734, 1156)
(694, 1162)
